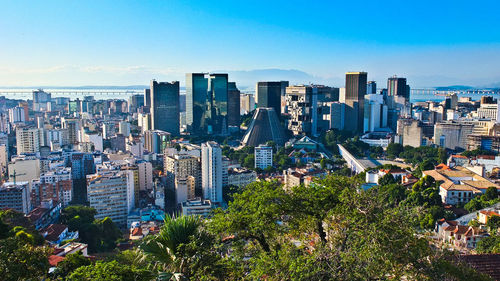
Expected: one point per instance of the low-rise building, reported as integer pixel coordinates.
(459, 185)
(15, 196)
(241, 177)
(196, 207)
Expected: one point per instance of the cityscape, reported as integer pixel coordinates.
(265, 174)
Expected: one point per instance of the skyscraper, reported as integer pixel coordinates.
(207, 103)
(233, 105)
(371, 87)
(82, 164)
(40, 100)
(355, 84)
(269, 94)
(211, 171)
(165, 106)
(396, 86)
(147, 97)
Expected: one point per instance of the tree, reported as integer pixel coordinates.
(489, 245)
(112, 271)
(394, 149)
(182, 247)
(491, 193)
(387, 179)
(70, 263)
(253, 215)
(22, 261)
(493, 224)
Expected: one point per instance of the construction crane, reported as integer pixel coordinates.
(15, 175)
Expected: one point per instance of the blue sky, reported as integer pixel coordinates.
(130, 42)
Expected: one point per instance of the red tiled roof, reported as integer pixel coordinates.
(459, 156)
(137, 231)
(488, 157)
(461, 229)
(54, 260)
(484, 263)
(442, 167)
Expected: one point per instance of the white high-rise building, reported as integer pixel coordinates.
(211, 171)
(111, 193)
(17, 114)
(29, 140)
(124, 128)
(263, 156)
(145, 175)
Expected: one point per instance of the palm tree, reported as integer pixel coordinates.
(166, 249)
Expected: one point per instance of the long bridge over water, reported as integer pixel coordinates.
(125, 93)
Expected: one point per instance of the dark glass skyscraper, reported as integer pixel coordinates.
(355, 90)
(207, 103)
(233, 105)
(269, 94)
(165, 106)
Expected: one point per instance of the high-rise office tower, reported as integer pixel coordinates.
(165, 106)
(29, 140)
(233, 105)
(111, 194)
(355, 90)
(183, 175)
(206, 103)
(247, 103)
(40, 100)
(396, 86)
(147, 98)
(155, 141)
(268, 94)
(211, 171)
(82, 164)
(371, 87)
(135, 102)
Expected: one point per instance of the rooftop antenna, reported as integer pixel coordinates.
(15, 175)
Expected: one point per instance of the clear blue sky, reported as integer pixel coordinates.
(130, 42)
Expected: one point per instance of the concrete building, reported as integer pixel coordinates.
(41, 100)
(241, 177)
(111, 193)
(145, 169)
(459, 185)
(247, 103)
(124, 128)
(15, 196)
(410, 132)
(29, 140)
(73, 126)
(25, 168)
(165, 106)
(263, 156)
(452, 135)
(156, 141)
(211, 171)
(301, 103)
(183, 175)
(375, 113)
(196, 207)
(17, 115)
(332, 115)
(54, 185)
